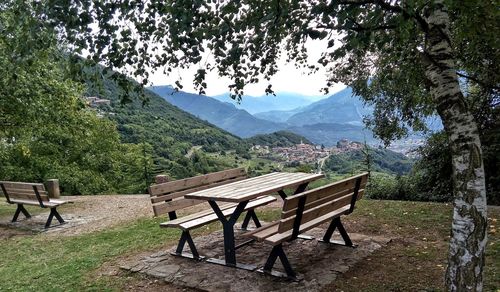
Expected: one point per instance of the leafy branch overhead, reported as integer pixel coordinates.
(377, 47)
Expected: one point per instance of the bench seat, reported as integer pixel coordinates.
(269, 233)
(208, 216)
(50, 204)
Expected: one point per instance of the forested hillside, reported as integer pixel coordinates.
(376, 159)
(167, 132)
(278, 139)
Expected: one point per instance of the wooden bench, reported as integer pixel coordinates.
(22, 193)
(167, 198)
(306, 210)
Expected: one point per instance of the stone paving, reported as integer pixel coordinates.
(316, 263)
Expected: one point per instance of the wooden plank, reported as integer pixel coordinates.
(184, 184)
(21, 185)
(28, 197)
(284, 179)
(174, 205)
(281, 237)
(315, 194)
(246, 186)
(314, 199)
(318, 211)
(264, 231)
(250, 192)
(213, 217)
(205, 212)
(35, 203)
(231, 188)
(170, 196)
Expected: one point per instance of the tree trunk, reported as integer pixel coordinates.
(468, 230)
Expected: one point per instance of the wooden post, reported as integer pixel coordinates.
(52, 186)
(159, 179)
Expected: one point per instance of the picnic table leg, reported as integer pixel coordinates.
(229, 241)
(20, 208)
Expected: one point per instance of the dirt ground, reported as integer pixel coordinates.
(83, 214)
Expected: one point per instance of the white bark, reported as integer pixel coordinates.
(468, 232)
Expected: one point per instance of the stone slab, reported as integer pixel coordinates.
(318, 264)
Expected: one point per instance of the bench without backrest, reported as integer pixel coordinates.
(22, 193)
(304, 211)
(167, 198)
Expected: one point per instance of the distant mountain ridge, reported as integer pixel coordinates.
(314, 121)
(283, 101)
(222, 114)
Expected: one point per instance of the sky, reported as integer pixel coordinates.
(288, 79)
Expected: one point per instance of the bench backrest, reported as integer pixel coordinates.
(24, 191)
(311, 208)
(169, 197)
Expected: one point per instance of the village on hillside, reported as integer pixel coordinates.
(302, 152)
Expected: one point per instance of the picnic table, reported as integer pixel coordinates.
(241, 192)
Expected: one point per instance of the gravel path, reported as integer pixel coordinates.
(86, 214)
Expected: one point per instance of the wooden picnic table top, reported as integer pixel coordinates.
(254, 187)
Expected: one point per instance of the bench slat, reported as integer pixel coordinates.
(318, 211)
(281, 237)
(49, 204)
(264, 231)
(318, 193)
(174, 205)
(21, 185)
(170, 196)
(187, 225)
(187, 183)
(196, 215)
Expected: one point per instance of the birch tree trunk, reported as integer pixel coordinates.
(468, 231)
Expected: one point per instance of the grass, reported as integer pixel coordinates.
(414, 260)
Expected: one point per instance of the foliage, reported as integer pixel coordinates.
(46, 130)
(381, 160)
(365, 28)
(432, 172)
(171, 132)
(278, 139)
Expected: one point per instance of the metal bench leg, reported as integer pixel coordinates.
(336, 223)
(250, 215)
(276, 252)
(53, 213)
(20, 208)
(186, 237)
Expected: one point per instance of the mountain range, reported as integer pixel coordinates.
(323, 122)
(282, 101)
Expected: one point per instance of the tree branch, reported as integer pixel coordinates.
(478, 81)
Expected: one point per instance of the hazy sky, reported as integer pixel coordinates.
(288, 79)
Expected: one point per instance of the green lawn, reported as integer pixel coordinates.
(49, 263)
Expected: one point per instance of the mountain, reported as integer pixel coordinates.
(340, 107)
(283, 101)
(168, 132)
(329, 133)
(223, 115)
(278, 139)
(278, 116)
